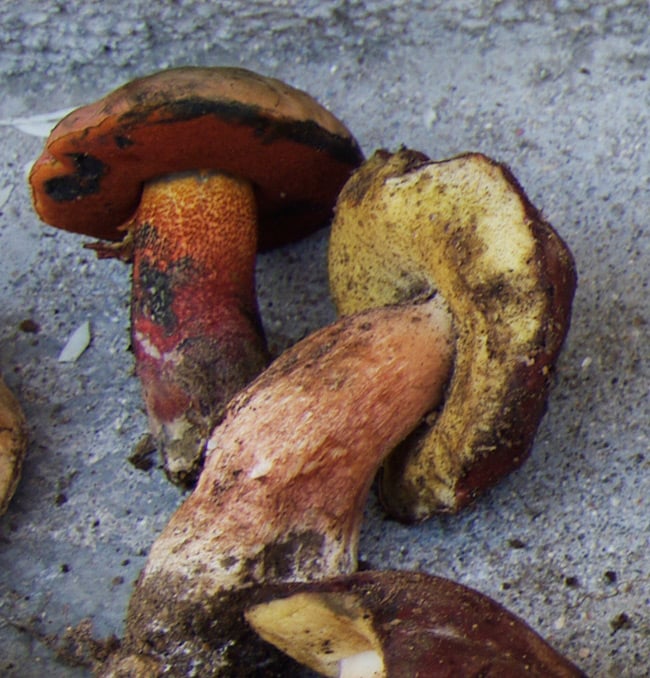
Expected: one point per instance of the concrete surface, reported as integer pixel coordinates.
(558, 90)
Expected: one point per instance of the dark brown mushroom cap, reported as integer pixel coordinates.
(419, 625)
(295, 153)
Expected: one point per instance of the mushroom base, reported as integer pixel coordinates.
(186, 388)
(207, 637)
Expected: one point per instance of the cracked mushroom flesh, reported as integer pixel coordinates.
(282, 492)
(406, 227)
(191, 170)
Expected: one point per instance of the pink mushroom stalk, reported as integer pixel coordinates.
(285, 481)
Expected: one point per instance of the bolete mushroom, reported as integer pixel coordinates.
(283, 488)
(281, 495)
(13, 444)
(183, 167)
(393, 624)
(406, 227)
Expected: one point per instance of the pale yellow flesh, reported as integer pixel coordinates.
(368, 664)
(329, 633)
(459, 227)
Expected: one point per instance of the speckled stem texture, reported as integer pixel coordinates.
(197, 336)
(281, 496)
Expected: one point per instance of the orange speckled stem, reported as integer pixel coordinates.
(196, 331)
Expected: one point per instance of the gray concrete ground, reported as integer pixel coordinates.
(557, 90)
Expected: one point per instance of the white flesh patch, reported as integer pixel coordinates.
(366, 664)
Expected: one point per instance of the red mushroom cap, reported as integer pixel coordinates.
(294, 152)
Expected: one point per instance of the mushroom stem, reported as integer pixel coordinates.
(196, 331)
(285, 480)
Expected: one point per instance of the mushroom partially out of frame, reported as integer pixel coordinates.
(190, 169)
(406, 227)
(395, 624)
(13, 444)
(282, 492)
(287, 472)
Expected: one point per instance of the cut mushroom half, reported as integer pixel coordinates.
(190, 169)
(392, 624)
(406, 227)
(283, 489)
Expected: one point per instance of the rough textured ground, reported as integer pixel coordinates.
(557, 90)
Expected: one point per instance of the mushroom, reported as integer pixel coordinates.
(406, 227)
(287, 472)
(283, 488)
(13, 444)
(182, 167)
(397, 623)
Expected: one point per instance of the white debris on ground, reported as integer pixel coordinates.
(77, 343)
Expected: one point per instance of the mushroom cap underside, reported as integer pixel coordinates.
(294, 152)
(407, 227)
